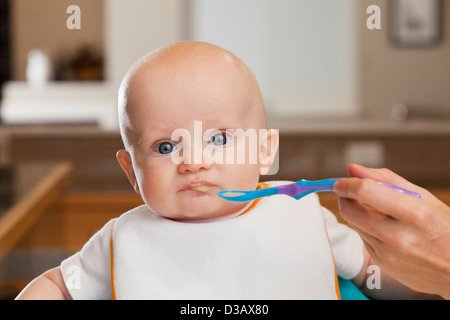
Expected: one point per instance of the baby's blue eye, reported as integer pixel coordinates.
(219, 139)
(165, 148)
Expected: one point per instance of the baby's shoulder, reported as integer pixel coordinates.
(138, 214)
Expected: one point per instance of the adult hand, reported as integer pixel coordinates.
(407, 237)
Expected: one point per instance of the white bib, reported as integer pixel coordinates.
(278, 250)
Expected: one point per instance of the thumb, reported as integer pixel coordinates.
(383, 175)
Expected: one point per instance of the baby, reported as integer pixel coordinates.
(186, 242)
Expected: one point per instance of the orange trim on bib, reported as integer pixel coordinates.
(261, 185)
(111, 242)
(336, 281)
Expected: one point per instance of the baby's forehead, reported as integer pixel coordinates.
(173, 66)
(154, 76)
(181, 70)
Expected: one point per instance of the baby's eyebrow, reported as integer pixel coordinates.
(153, 135)
(158, 132)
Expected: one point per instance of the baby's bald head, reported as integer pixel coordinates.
(167, 72)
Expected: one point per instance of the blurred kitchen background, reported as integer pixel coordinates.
(338, 89)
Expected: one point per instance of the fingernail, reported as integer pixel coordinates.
(337, 188)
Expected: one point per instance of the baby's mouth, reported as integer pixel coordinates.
(202, 186)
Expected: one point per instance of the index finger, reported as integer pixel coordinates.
(384, 175)
(381, 198)
(388, 176)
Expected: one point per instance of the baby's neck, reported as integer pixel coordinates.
(220, 218)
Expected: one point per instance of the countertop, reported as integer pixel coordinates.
(286, 126)
(361, 127)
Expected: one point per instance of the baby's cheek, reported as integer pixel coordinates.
(150, 186)
(155, 187)
(155, 198)
(248, 175)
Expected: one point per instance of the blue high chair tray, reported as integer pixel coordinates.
(349, 291)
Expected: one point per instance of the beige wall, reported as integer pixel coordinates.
(387, 75)
(135, 27)
(418, 77)
(42, 24)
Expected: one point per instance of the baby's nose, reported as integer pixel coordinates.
(192, 158)
(192, 167)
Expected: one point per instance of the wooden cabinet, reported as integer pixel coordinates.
(90, 150)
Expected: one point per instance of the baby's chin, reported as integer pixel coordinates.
(201, 207)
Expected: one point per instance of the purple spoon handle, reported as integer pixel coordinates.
(304, 187)
(396, 188)
(412, 193)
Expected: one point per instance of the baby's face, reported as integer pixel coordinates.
(212, 96)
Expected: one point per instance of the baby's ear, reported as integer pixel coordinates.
(126, 164)
(268, 155)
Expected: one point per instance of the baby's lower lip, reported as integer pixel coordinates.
(199, 188)
(197, 185)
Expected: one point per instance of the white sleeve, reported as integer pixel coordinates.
(87, 274)
(347, 246)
